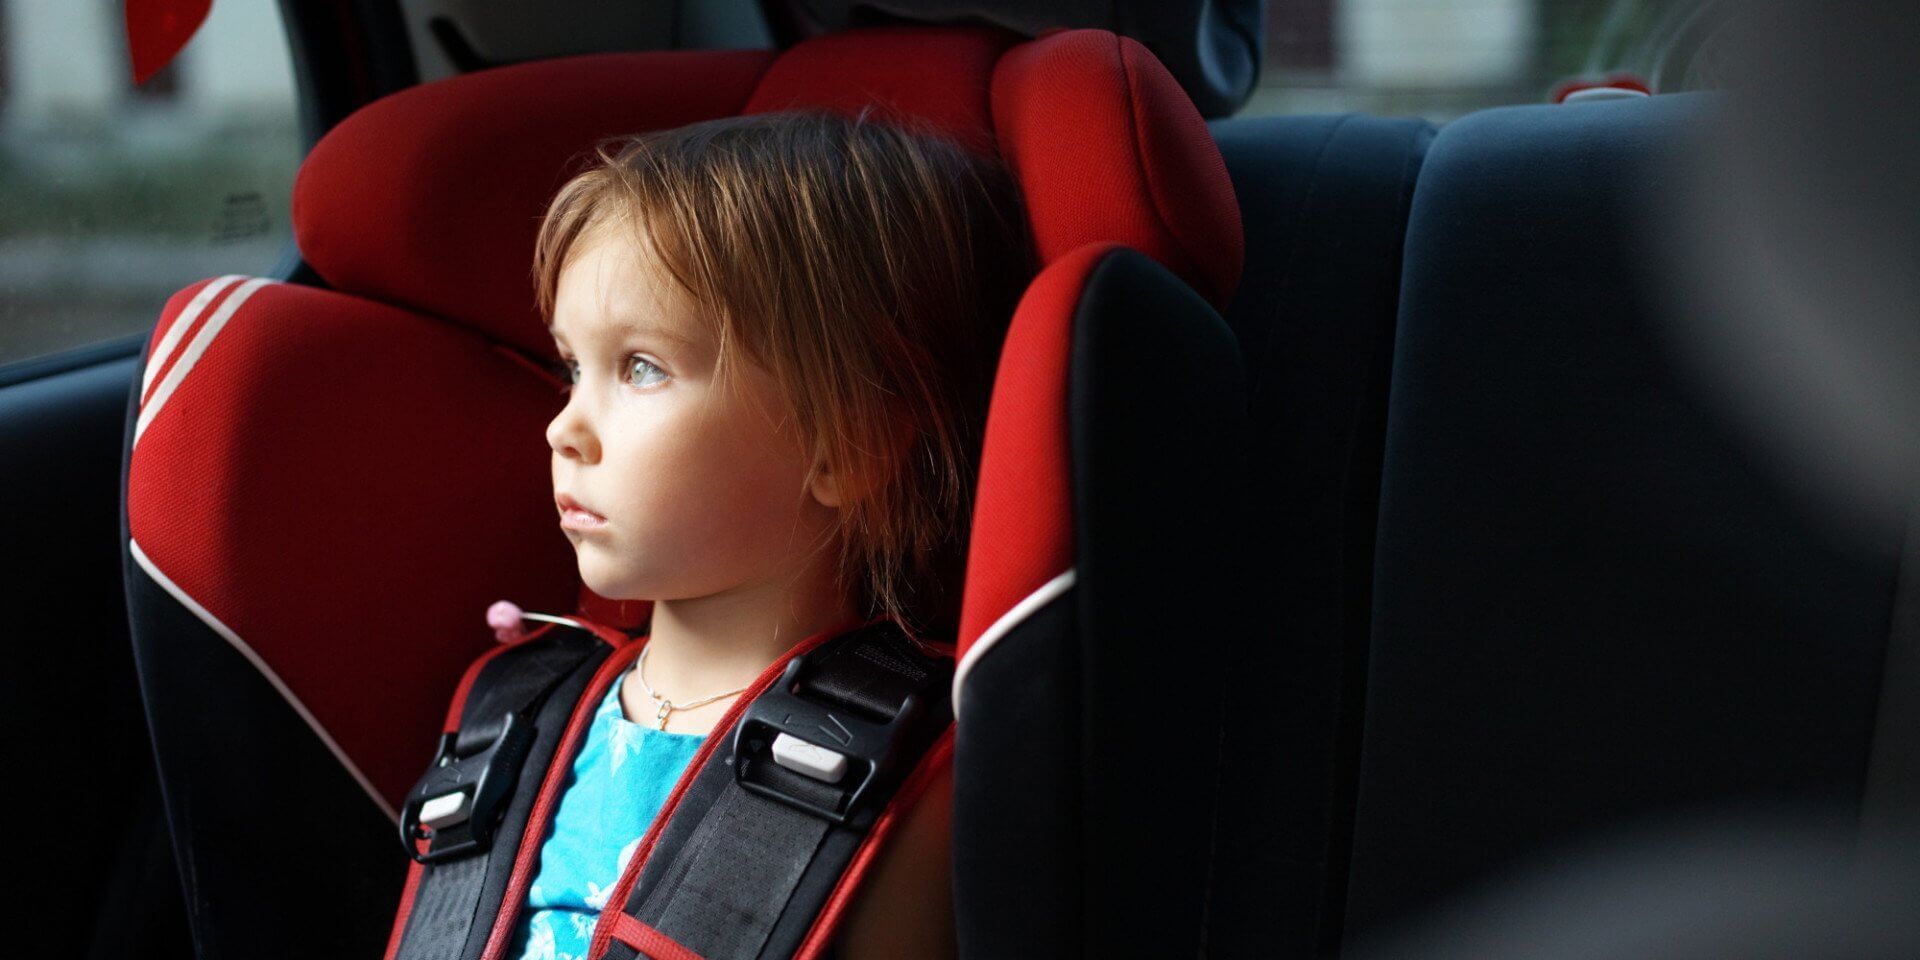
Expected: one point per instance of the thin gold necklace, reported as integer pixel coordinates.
(664, 707)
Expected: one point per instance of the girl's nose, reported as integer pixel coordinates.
(570, 435)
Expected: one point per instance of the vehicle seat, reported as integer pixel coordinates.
(1324, 200)
(1598, 606)
(326, 487)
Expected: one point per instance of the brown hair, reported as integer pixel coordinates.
(871, 268)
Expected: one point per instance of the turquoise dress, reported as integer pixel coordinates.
(617, 786)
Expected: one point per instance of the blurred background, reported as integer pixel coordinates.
(113, 196)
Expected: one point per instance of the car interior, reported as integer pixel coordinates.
(1471, 545)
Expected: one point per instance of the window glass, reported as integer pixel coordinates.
(1443, 58)
(113, 197)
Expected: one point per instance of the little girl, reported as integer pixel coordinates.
(780, 331)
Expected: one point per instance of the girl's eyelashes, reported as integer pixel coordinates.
(649, 372)
(639, 372)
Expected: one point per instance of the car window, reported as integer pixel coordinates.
(1443, 58)
(113, 197)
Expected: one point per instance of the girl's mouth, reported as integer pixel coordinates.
(574, 516)
(581, 520)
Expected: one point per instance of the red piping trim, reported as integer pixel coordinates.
(616, 901)
(940, 755)
(534, 833)
(613, 637)
(460, 692)
(406, 910)
(652, 942)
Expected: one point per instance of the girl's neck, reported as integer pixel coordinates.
(709, 645)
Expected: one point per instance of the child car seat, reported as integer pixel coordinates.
(333, 483)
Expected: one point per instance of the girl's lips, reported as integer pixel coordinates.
(577, 519)
(573, 516)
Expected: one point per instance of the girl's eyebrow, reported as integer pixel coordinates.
(652, 330)
(621, 327)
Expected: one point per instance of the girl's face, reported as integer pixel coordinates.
(684, 489)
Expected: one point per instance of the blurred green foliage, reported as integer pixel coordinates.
(1595, 37)
(112, 186)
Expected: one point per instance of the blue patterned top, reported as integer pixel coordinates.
(619, 782)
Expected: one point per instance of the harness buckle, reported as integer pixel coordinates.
(818, 758)
(458, 802)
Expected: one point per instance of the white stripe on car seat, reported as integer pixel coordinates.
(194, 351)
(140, 557)
(165, 348)
(1012, 618)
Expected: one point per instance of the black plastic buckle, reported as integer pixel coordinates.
(872, 749)
(485, 781)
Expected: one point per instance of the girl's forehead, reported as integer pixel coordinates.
(609, 288)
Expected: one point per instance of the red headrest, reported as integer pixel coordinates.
(431, 198)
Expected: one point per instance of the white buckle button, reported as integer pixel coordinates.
(809, 759)
(445, 811)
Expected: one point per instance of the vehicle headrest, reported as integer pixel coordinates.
(1212, 47)
(431, 198)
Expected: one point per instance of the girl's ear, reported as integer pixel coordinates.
(826, 486)
(833, 489)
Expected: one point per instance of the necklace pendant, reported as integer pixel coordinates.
(660, 718)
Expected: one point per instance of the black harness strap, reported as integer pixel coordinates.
(767, 828)
(474, 798)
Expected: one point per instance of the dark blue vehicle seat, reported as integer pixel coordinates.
(1324, 202)
(1595, 605)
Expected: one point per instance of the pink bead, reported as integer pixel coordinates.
(504, 618)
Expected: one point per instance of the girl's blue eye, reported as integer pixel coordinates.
(648, 373)
(641, 372)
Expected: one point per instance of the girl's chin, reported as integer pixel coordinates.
(610, 580)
